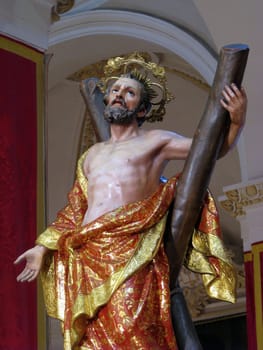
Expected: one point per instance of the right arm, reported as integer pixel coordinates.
(34, 259)
(67, 219)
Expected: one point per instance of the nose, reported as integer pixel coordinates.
(120, 93)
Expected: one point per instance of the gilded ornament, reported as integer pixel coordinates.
(61, 7)
(140, 66)
(238, 199)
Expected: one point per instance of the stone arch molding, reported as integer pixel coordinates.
(143, 27)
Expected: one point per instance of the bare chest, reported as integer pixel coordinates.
(118, 158)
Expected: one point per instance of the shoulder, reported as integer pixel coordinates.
(93, 149)
(170, 144)
(90, 153)
(164, 135)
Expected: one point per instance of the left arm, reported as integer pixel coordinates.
(235, 102)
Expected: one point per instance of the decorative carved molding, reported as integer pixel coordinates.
(194, 292)
(237, 199)
(61, 7)
(136, 25)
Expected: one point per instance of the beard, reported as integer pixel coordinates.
(119, 115)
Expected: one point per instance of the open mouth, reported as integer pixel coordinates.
(118, 103)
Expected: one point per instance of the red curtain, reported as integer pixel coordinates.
(254, 295)
(18, 197)
(250, 303)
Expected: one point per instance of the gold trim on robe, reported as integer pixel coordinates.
(207, 255)
(89, 265)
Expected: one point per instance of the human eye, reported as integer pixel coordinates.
(114, 90)
(131, 92)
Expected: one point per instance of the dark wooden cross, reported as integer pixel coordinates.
(195, 177)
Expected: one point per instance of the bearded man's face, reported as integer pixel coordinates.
(123, 101)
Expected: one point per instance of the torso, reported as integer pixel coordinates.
(122, 172)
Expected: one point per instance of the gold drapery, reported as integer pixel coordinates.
(96, 270)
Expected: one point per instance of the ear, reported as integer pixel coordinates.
(141, 114)
(142, 111)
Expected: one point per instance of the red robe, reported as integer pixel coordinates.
(108, 281)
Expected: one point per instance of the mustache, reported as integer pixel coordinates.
(119, 100)
(119, 115)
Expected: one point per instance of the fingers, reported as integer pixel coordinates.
(34, 275)
(233, 97)
(27, 275)
(231, 93)
(33, 259)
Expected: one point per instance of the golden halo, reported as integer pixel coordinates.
(138, 65)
